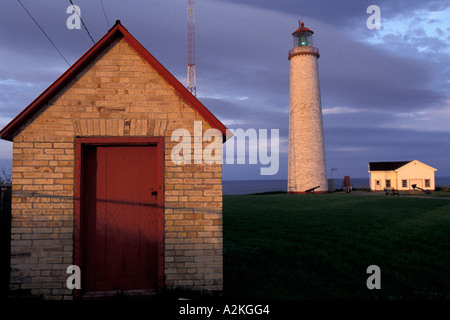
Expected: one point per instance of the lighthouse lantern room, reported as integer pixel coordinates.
(303, 36)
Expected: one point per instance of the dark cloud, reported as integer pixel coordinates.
(350, 149)
(246, 115)
(243, 70)
(344, 14)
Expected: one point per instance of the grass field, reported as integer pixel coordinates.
(279, 246)
(434, 194)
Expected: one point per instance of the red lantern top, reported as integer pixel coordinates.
(302, 28)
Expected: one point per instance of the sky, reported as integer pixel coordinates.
(385, 92)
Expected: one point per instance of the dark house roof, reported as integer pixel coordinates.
(386, 166)
(116, 32)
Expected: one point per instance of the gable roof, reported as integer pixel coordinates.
(416, 162)
(393, 165)
(116, 32)
(386, 165)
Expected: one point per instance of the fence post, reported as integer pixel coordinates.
(5, 239)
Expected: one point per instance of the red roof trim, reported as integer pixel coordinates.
(116, 32)
(302, 28)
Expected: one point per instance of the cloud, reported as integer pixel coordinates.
(5, 153)
(340, 110)
(351, 149)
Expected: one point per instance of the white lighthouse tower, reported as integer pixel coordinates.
(307, 167)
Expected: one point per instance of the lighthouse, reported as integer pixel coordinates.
(306, 165)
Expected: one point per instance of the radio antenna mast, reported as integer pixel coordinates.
(191, 82)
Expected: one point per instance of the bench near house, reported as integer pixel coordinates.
(94, 183)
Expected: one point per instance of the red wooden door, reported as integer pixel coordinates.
(122, 222)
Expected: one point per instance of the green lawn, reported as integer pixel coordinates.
(282, 246)
(438, 194)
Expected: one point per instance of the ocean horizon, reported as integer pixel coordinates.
(240, 187)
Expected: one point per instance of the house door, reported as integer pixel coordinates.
(121, 220)
(377, 184)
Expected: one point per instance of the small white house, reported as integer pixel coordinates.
(401, 175)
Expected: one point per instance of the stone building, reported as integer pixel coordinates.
(95, 184)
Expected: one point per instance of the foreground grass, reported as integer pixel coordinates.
(319, 246)
(437, 194)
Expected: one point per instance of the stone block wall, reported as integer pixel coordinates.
(307, 166)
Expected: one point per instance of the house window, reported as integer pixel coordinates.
(404, 183)
(388, 183)
(427, 183)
